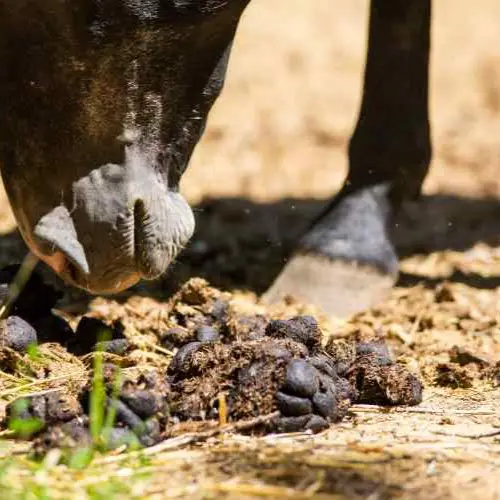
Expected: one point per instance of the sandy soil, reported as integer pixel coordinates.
(275, 152)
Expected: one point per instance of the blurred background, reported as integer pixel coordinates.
(275, 147)
(292, 96)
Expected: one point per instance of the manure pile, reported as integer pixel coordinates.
(199, 360)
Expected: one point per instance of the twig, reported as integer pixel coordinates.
(39, 382)
(416, 324)
(430, 411)
(196, 437)
(479, 435)
(266, 491)
(43, 393)
(222, 409)
(18, 283)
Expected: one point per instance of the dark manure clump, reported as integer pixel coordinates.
(196, 360)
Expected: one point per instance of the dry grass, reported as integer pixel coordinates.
(374, 455)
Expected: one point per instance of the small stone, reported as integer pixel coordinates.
(207, 334)
(293, 406)
(301, 379)
(17, 334)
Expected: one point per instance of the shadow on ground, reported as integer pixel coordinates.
(243, 244)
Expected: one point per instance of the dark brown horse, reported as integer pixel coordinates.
(103, 101)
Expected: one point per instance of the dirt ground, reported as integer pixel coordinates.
(273, 154)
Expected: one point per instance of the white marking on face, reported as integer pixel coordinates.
(132, 96)
(143, 136)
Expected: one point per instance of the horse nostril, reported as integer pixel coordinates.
(56, 238)
(72, 271)
(151, 254)
(143, 223)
